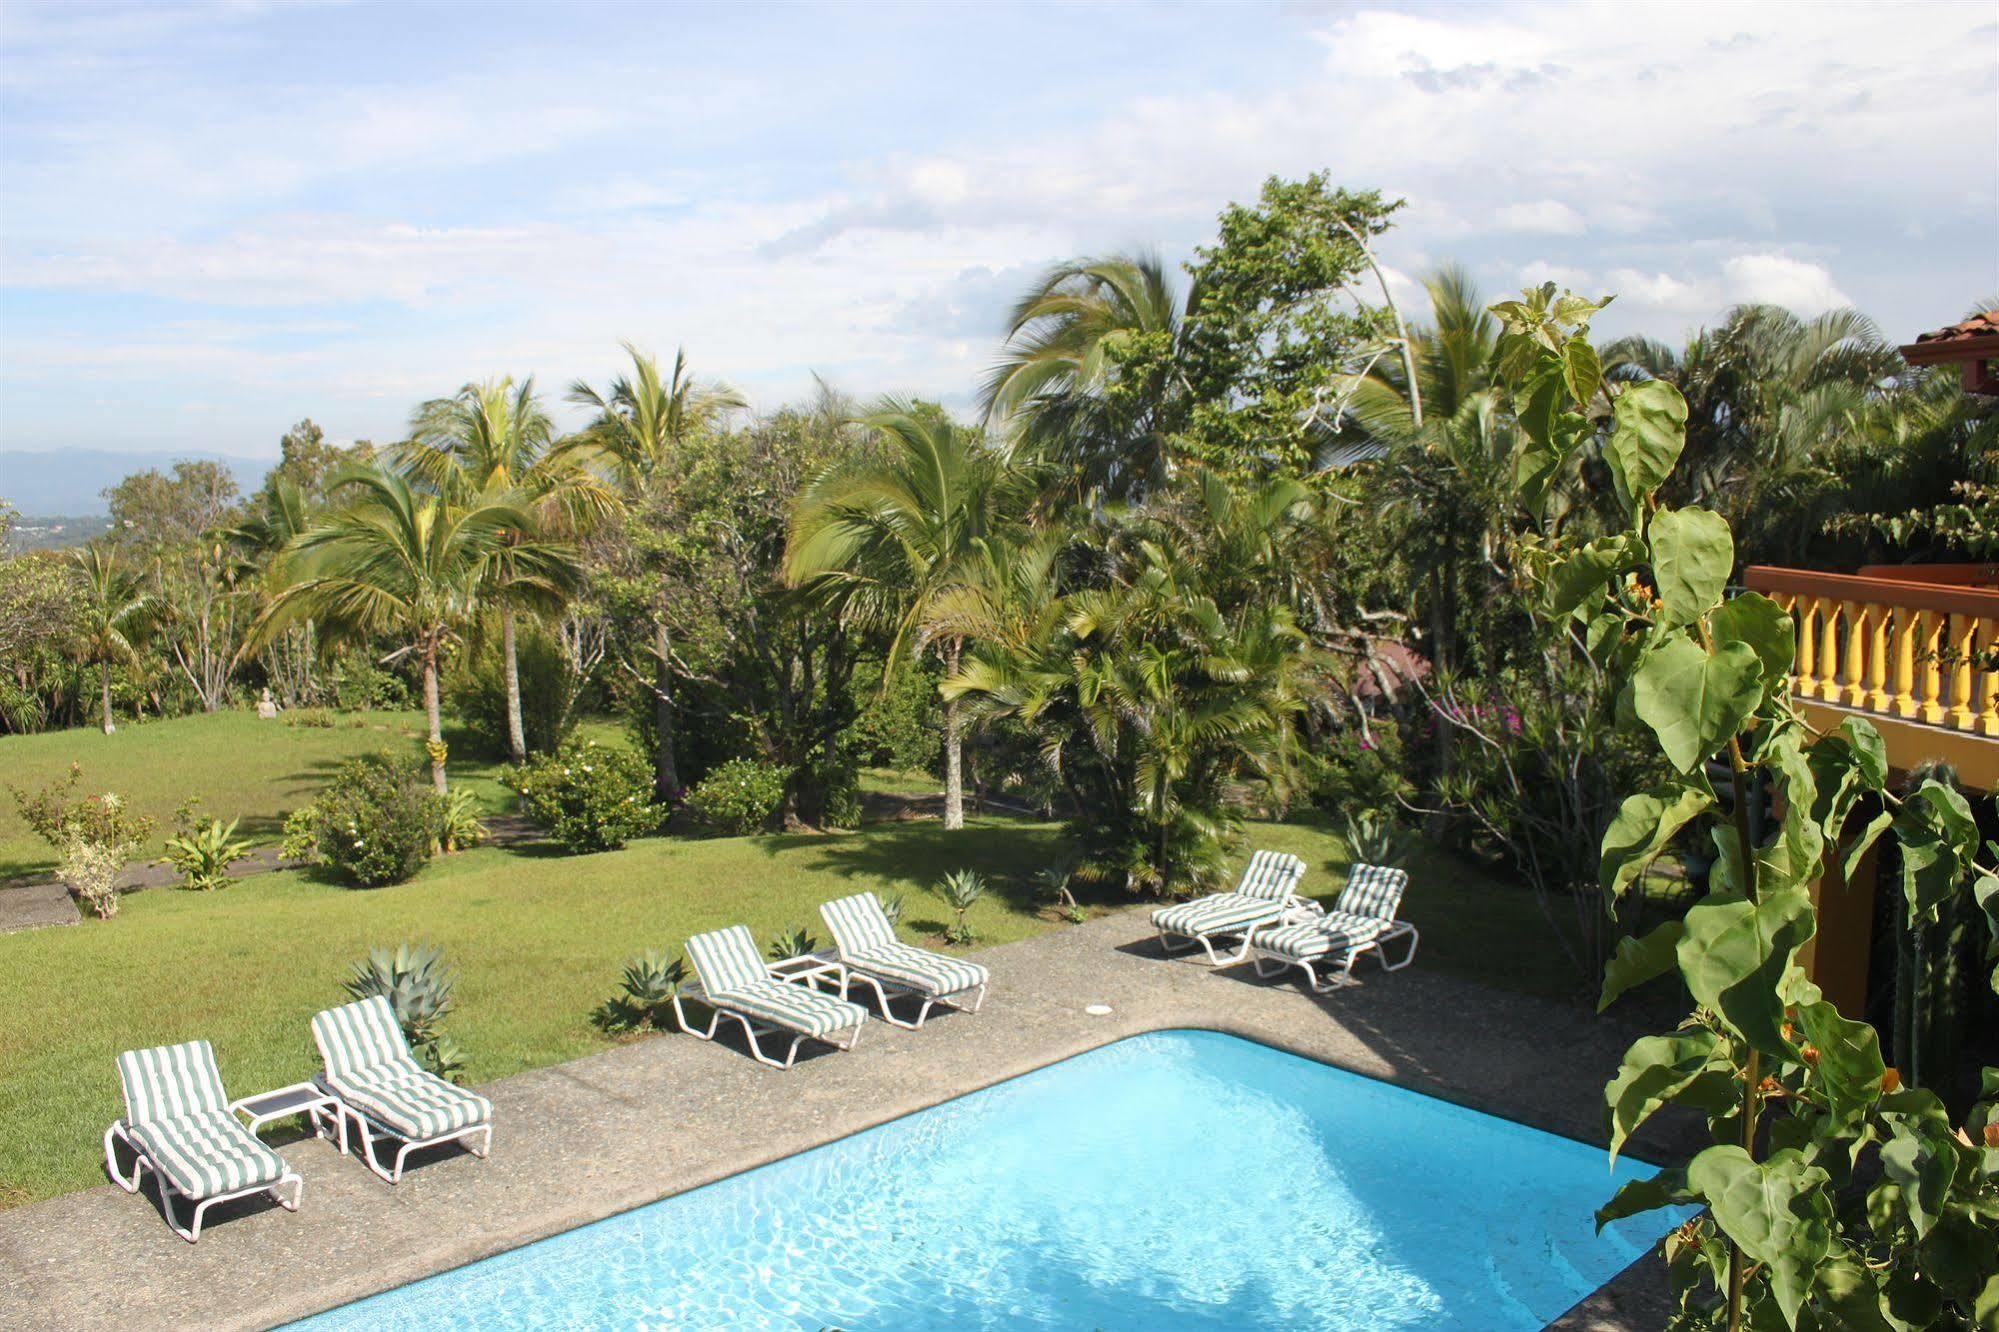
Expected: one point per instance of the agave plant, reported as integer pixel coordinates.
(1373, 839)
(892, 908)
(1054, 881)
(203, 852)
(960, 889)
(795, 942)
(413, 978)
(646, 992)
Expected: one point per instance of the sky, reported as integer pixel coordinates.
(216, 219)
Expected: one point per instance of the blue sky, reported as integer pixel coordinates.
(216, 219)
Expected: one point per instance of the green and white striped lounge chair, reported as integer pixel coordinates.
(180, 1124)
(1362, 921)
(864, 941)
(1264, 897)
(377, 1084)
(735, 982)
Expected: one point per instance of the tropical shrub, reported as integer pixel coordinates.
(960, 889)
(548, 690)
(900, 722)
(458, 823)
(1836, 1194)
(94, 837)
(359, 685)
(412, 977)
(645, 995)
(376, 822)
(740, 796)
(202, 851)
(1360, 768)
(310, 718)
(590, 797)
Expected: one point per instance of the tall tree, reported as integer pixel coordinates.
(390, 559)
(116, 608)
(495, 439)
(883, 536)
(644, 419)
(1120, 380)
(178, 524)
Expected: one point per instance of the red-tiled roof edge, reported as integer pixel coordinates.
(1985, 324)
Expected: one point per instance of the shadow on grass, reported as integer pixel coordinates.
(919, 854)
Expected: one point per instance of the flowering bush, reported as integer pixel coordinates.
(94, 835)
(377, 822)
(590, 797)
(741, 796)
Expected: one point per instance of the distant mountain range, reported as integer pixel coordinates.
(72, 482)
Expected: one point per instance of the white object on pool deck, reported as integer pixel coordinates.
(1361, 922)
(864, 941)
(376, 1082)
(735, 982)
(1264, 897)
(180, 1124)
(1038, 1204)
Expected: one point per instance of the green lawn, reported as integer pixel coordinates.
(538, 939)
(238, 765)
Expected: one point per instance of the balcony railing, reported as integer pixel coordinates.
(1922, 651)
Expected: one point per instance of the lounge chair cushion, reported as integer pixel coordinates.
(727, 959)
(1372, 890)
(857, 923)
(411, 1101)
(1218, 913)
(793, 1007)
(369, 1066)
(1333, 935)
(168, 1081)
(1271, 875)
(918, 969)
(207, 1153)
(360, 1035)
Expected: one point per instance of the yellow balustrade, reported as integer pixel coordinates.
(1924, 650)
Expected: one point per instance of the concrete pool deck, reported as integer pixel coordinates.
(603, 1134)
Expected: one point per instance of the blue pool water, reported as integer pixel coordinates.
(1176, 1180)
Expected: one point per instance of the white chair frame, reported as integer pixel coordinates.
(756, 1028)
(1291, 911)
(1270, 964)
(887, 987)
(372, 1128)
(142, 1161)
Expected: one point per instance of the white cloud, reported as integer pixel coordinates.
(1780, 280)
(1549, 217)
(1607, 147)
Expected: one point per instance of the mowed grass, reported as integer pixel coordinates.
(238, 765)
(538, 941)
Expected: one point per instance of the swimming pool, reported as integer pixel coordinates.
(1182, 1179)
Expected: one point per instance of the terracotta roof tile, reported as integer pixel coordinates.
(1978, 326)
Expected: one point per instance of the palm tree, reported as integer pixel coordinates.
(1768, 394)
(883, 537)
(395, 560)
(1160, 689)
(495, 439)
(1091, 375)
(642, 421)
(1446, 473)
(114, 615)
(281, 513)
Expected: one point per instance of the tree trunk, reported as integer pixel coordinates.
(109, 727)
(954, 770)
(431, 713)
(665, 771)
(517, 745)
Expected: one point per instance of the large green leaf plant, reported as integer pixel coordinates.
(1833, 1196)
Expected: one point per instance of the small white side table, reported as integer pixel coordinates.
(301, 1098)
